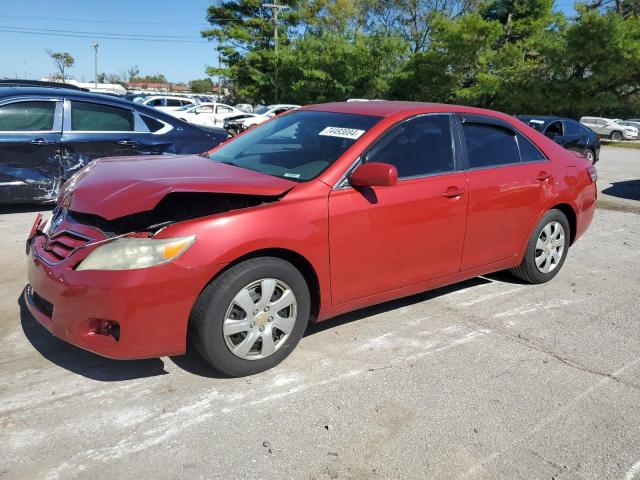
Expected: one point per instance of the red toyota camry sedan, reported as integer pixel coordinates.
(320, 211)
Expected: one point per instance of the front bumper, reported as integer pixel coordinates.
(150, 305)
(629, 135)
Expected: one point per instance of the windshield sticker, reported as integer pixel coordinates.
(533, 120)
(292, 175)
(350, 133)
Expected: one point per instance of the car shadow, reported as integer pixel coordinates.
(349, 317)
(192, 362)
(80, 361)
(629, 189)
(99, 368)
(25, 208)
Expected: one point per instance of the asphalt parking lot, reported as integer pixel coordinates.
(489, 378)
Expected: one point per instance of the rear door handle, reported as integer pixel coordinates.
(129, 143)
(40, 141)
(453, 192)
(542, 176)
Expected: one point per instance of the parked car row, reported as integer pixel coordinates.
(235, 124)
(210, 114)
(49, 132)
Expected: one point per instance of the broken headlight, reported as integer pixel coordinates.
(131, 253)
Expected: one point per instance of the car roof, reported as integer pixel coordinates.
(9, 91)
(74, 94)
(544, 118)
(385, 108)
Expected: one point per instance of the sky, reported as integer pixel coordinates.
(182, 57)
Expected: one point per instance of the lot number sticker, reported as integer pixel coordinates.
(350, 133)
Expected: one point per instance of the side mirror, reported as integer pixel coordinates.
(374, 174)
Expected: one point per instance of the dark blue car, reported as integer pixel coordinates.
(568, 133)
(48, 132)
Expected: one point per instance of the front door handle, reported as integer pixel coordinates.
(40, 141)
(542, 176)
(128, 143)
(453, 192)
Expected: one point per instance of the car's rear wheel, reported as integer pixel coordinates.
(616, 135)
(546, 250)
(590, 155)
(251, 317)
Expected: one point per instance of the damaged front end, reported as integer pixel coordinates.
(174, 207)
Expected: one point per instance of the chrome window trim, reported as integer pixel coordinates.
(490, 167)
(343, 181)
(57, 115)
(138, 123)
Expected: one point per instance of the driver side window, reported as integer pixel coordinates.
(417, 147)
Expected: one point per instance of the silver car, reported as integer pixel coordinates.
(608, 127)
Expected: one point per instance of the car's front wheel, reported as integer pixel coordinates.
(546, 250)
(251, 317)
(616, 135)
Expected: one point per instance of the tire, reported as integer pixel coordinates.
(616, 135)
(536, 269)
(217, 315)
(590, 154)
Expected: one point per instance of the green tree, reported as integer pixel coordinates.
(62, 61)
(204, 85)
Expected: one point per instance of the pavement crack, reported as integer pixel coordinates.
(560, 468)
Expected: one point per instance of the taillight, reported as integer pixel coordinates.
(593, 173)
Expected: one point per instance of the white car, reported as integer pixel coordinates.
(207, 114)
(262, 114)
(168, 103)
(609, 127)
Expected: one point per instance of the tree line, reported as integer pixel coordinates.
(518, 56)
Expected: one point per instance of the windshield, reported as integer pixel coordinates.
(262, 110)
(297, 146)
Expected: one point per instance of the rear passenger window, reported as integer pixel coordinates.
(417, 147)
(528, 151)
(174, 103)
(573, 128)
(490, 145)
(152, 124)
(27, 116)
(95, 117)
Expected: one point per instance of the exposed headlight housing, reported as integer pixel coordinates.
(132, 253)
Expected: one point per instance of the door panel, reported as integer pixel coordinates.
(94, 130)
(30, 167)
(383, 238)
(504, 205)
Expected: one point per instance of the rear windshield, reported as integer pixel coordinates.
(297, 146)
(536, 123)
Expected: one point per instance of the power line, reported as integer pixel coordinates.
(99, 33)
(92, 20)
(102, 37)
(128, 22)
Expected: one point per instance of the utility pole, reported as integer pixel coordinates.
(218, 96)
(275, 8)
(95, 62)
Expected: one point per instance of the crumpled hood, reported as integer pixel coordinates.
(114, 187)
